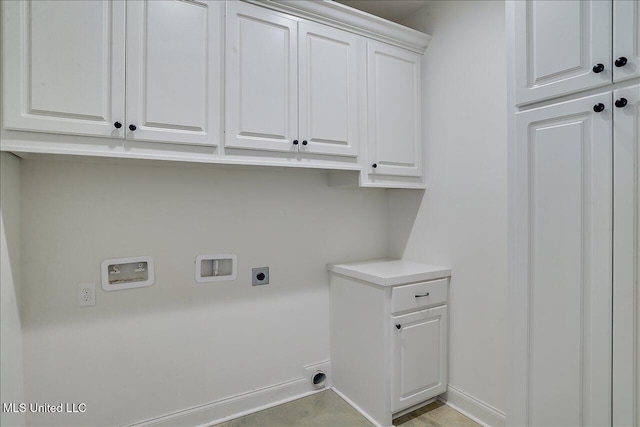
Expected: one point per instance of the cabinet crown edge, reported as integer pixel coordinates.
(340, 16)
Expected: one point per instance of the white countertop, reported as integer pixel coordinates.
(389, 272)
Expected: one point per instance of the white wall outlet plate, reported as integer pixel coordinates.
(86, 294)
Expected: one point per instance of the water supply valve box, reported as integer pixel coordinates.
(127, 273)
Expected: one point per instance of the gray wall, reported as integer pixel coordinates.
(11, 361)
(146, 352)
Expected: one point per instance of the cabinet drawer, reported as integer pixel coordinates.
(419, 295)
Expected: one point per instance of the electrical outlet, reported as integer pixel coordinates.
(260, 276)
(86, 294)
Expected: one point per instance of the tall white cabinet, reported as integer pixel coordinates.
(574, 191)
(626, 260)
(626, 39)
(561, 47)
(566, 46)
(565, 163)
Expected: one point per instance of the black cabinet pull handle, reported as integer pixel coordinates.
(621, 62)
(304, 142)
(375, 165)
(598, 68)
(621, 102)
(132, 127)
(117, 125)
(295, 142)
(599, 107)
(423, 295)
(398, 326)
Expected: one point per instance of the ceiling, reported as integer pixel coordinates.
(393, 10)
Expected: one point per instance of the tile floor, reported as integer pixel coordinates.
(327, 409)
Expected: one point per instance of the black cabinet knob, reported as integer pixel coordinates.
(260, 276)
(621, 102)
(598, 68)
(599, 107)
(398, 326)
(132, 127)
(304, 142)
(375, 165)
(295, 142)
(117, 125)
(621, 62)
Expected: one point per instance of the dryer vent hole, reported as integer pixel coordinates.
(318, 379)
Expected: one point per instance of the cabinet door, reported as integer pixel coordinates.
(557, 44)
(626, 39)
(63, 66)
(394, 113)
(562, 283)
(626, 262)
(174, 71)
(261, 79)
(419, 358)
(328, 92)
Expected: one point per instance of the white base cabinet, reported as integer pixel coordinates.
(389, 334)
(419, 357)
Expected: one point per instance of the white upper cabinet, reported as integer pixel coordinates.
(394, 111)
(174, 67)
(291, 85)
(561, 47)
(626, 39)
(65, 69)
(301, 84)
(328, 92)
(261, 79)
(64, 66)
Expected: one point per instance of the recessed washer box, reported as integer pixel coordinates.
(216, 268)
(127, 273)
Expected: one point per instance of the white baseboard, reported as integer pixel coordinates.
(238, 405)
(473, 408)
